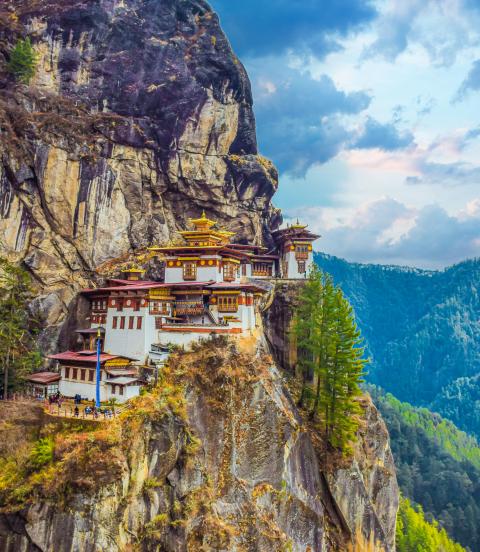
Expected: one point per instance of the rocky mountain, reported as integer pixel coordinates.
(139, 116)
(218, 458)
(422, 329)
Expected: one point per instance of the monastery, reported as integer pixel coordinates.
(210, 287)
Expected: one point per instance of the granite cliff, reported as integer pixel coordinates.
(217, 459)
(139, 116)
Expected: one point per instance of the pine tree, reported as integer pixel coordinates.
(329, 345)
(344, 371)
(18, 356)
(23, 61)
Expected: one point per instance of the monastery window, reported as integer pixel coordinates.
(91, 374)
(136, 304)
(131, 320)
(227, 303)
(158, 307)
(301, 267)
(262, 269)
(104, 304)
(67, 372)
(122, 322)
(120, 389)
(301, 252)
(189, 271)
(119, 304)
(139, 322)
(74, 373)
(229, 272)
(82, 374)
(115, 322)
(244, 269)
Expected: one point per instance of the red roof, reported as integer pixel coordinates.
(86, 356)
(233, 285)
(149, 285)
(44, 377)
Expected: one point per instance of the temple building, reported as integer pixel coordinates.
(210, 286)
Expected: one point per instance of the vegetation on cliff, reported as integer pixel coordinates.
(23, 60)
(438, 466)
(18, 355)
(330, 359)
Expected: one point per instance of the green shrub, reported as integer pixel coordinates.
(23, 61)
(42, 453)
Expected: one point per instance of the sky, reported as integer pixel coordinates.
(371, 112)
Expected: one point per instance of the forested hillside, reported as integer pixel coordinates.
(438, 466)
(422, 330)
(415, 533)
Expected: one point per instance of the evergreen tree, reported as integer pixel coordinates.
(344, 371)
(23, 61)
(328, 346)
(18, 356)
(415, 533)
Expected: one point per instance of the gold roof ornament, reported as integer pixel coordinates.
(133, 270)
(299, 226)
(203, 223)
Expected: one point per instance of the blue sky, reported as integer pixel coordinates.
(371, 112)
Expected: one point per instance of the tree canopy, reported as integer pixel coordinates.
(416, 534)
(330, 358)
(23, 60)
(18, 354)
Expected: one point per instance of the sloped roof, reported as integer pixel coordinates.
(86, 356)
(44, 377)
(122, 381)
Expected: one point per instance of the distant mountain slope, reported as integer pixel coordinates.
(414, 532)
(438, 466)
(422, 330)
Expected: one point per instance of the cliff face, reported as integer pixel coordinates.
(231, 468)
(138, 117)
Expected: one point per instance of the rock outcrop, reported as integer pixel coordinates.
(138, 117)
(236, 471)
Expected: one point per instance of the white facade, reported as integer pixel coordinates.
(130, 342)
(289, 265)
(69, 387)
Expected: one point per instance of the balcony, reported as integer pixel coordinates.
(301, 255)
(227, 308)
(189, 307)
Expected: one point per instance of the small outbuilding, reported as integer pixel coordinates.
(43, 384)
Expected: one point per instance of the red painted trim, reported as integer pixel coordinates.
(202, 330)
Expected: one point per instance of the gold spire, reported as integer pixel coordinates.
(203, 223)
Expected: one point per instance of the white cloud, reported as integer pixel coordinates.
(388, 231)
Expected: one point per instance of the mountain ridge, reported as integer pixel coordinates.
(422, 330)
